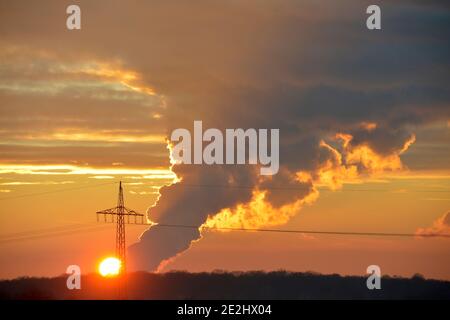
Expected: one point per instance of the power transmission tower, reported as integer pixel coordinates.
(118, 214)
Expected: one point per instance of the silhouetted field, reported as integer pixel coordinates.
(225, 285)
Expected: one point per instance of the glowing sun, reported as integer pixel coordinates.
(110, 267)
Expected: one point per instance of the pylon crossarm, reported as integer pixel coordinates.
(108, 211)
(120, 214)
(132, 212)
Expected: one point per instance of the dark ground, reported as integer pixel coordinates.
(223, 285)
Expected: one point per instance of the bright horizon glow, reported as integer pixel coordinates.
(110, 267)
(69, 169)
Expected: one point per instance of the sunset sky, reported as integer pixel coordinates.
(364, 119)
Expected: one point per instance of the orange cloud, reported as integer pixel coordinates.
(84, 170)
(257, 213)
(347, 165)
(364, 155)
(440, 226)
(333, 172)
(369, 126)
(73, 134)
(115, 73)
(352, 164)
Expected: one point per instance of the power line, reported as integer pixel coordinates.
(45, 230)
(51, 235)
(66, 230)
(42, 234)
(351, 233)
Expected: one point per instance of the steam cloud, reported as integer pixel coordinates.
(340, 118)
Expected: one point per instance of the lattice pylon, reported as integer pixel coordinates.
(120, 212)
(120, 230)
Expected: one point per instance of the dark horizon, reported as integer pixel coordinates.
(220, 285)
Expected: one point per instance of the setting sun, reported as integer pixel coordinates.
(110, 267)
